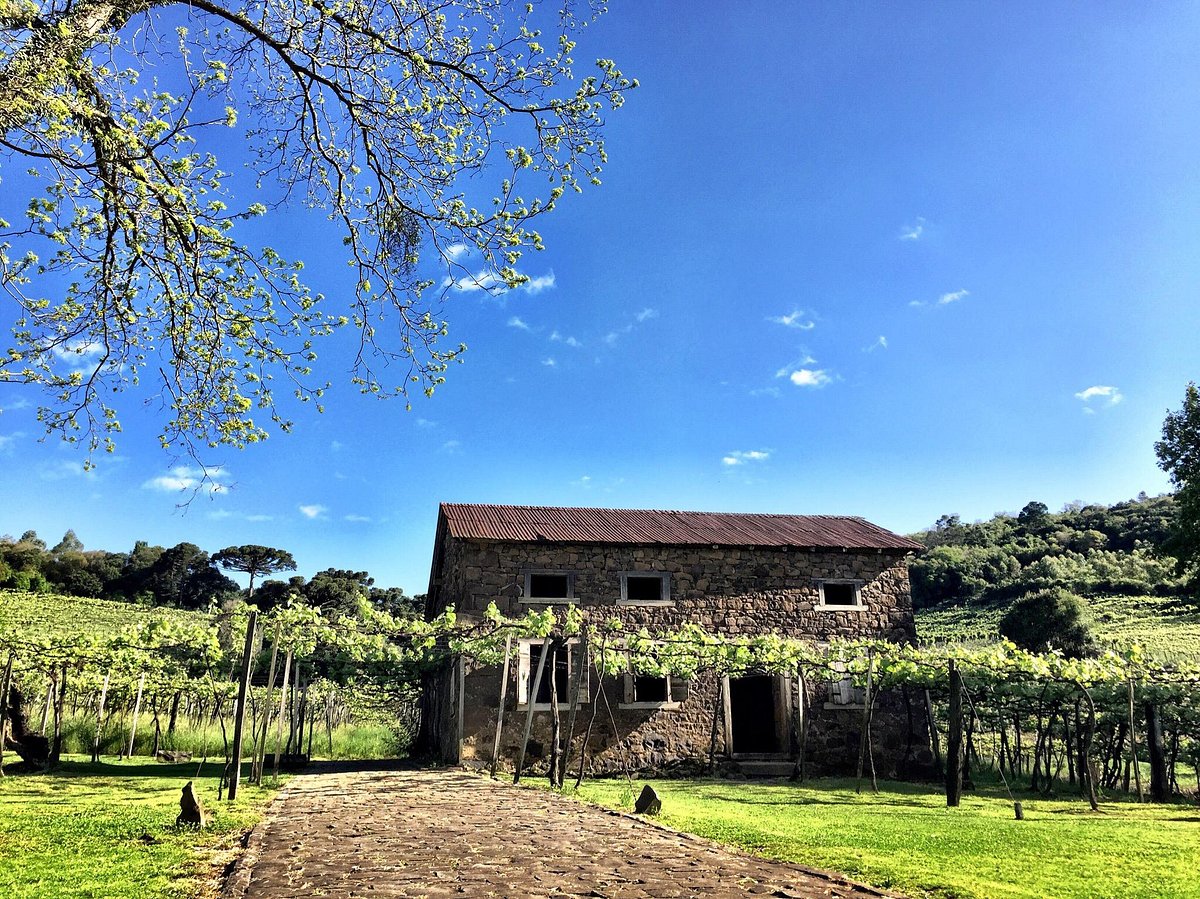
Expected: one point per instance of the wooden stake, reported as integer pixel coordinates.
(260, 741)
(500, 708)
(580, 667)
(137, 710)
(240, 717)
(5, 689)
(283, 692)
(533, 692)
(99, 720)
(954, 741)
(1133, 746)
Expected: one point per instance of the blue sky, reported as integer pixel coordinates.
(891, 260)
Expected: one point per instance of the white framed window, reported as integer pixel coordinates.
(645, 588)
(558, 669)
(549, 587)
(840, 593)
(647, 691)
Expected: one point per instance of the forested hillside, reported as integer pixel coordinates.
(1109, 561)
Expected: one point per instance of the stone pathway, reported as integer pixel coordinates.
(437, 833)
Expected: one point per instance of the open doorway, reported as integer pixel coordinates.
(757, 719)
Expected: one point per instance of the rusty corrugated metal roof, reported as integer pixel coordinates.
(635, 526)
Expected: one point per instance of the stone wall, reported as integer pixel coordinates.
(732, 590)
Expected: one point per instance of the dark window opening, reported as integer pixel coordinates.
(647, 688)
(550, 586)
(840, 594)
(558, 665)
(640, 588)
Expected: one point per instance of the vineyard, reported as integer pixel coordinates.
(1039, 721)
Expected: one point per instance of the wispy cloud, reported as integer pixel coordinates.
(766, 391)
(7, 440)
(356, 518)
(550, 362)
(336, 445)
(797, 318)
(913, 231)
(492, 283)
(15, 405)
(557, 337)
(452, 446)
(517, 322)
(741, 457)
(79, 350)
(539, 283)
(426, 423)
(1104, 396)
(879, 344)
(583, 481)
(810, 377)
(645, 315)
(456, 251)
(223, 514)
(185, 477)
(944, 300)
(313, 511)
(786, 370)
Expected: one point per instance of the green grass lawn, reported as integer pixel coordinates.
(906, 839)
(108, 830)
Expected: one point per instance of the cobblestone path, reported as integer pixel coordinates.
(452, 833)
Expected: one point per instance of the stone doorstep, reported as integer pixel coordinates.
(766, 767)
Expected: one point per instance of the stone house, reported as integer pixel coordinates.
(806, 576)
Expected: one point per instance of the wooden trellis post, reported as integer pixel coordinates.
(137, 710)
(100, 719)
(500, 709)
(243, 689)
(533, 692)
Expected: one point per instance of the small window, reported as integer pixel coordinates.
(645, 589)
(646, 691)
(840, 594)
(558, 669)
(549, 586)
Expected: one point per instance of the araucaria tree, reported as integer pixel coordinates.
(254, 560)
(1179, 456)
(133, 264)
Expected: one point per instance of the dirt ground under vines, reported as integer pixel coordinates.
(442, 833)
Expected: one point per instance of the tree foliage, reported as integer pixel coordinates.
(133, 263)
(1087, 550)
(1179, 456)
(1050, 619)
(254, 560)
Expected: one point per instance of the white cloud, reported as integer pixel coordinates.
(222, 514)
(944, 300)
(766, 391)
(516, 322)
(557, 337)
(550, 363)
(611, 338)
(185, 477)
(810, 377)
(426, 423)
(584, 481)
(1104, 395)
(79, 350)
(539, 283)
(357, 518)
(646, 314)
(880, 343)
(456, 251)
(792, 366)
(7, 440)
(741, 457)
(452, 446)
(336, 445)
(797, 318)
(313, 511)
(913, 231)
(15, 405)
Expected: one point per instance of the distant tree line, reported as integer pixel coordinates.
(1087, 550)
(182, 576)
